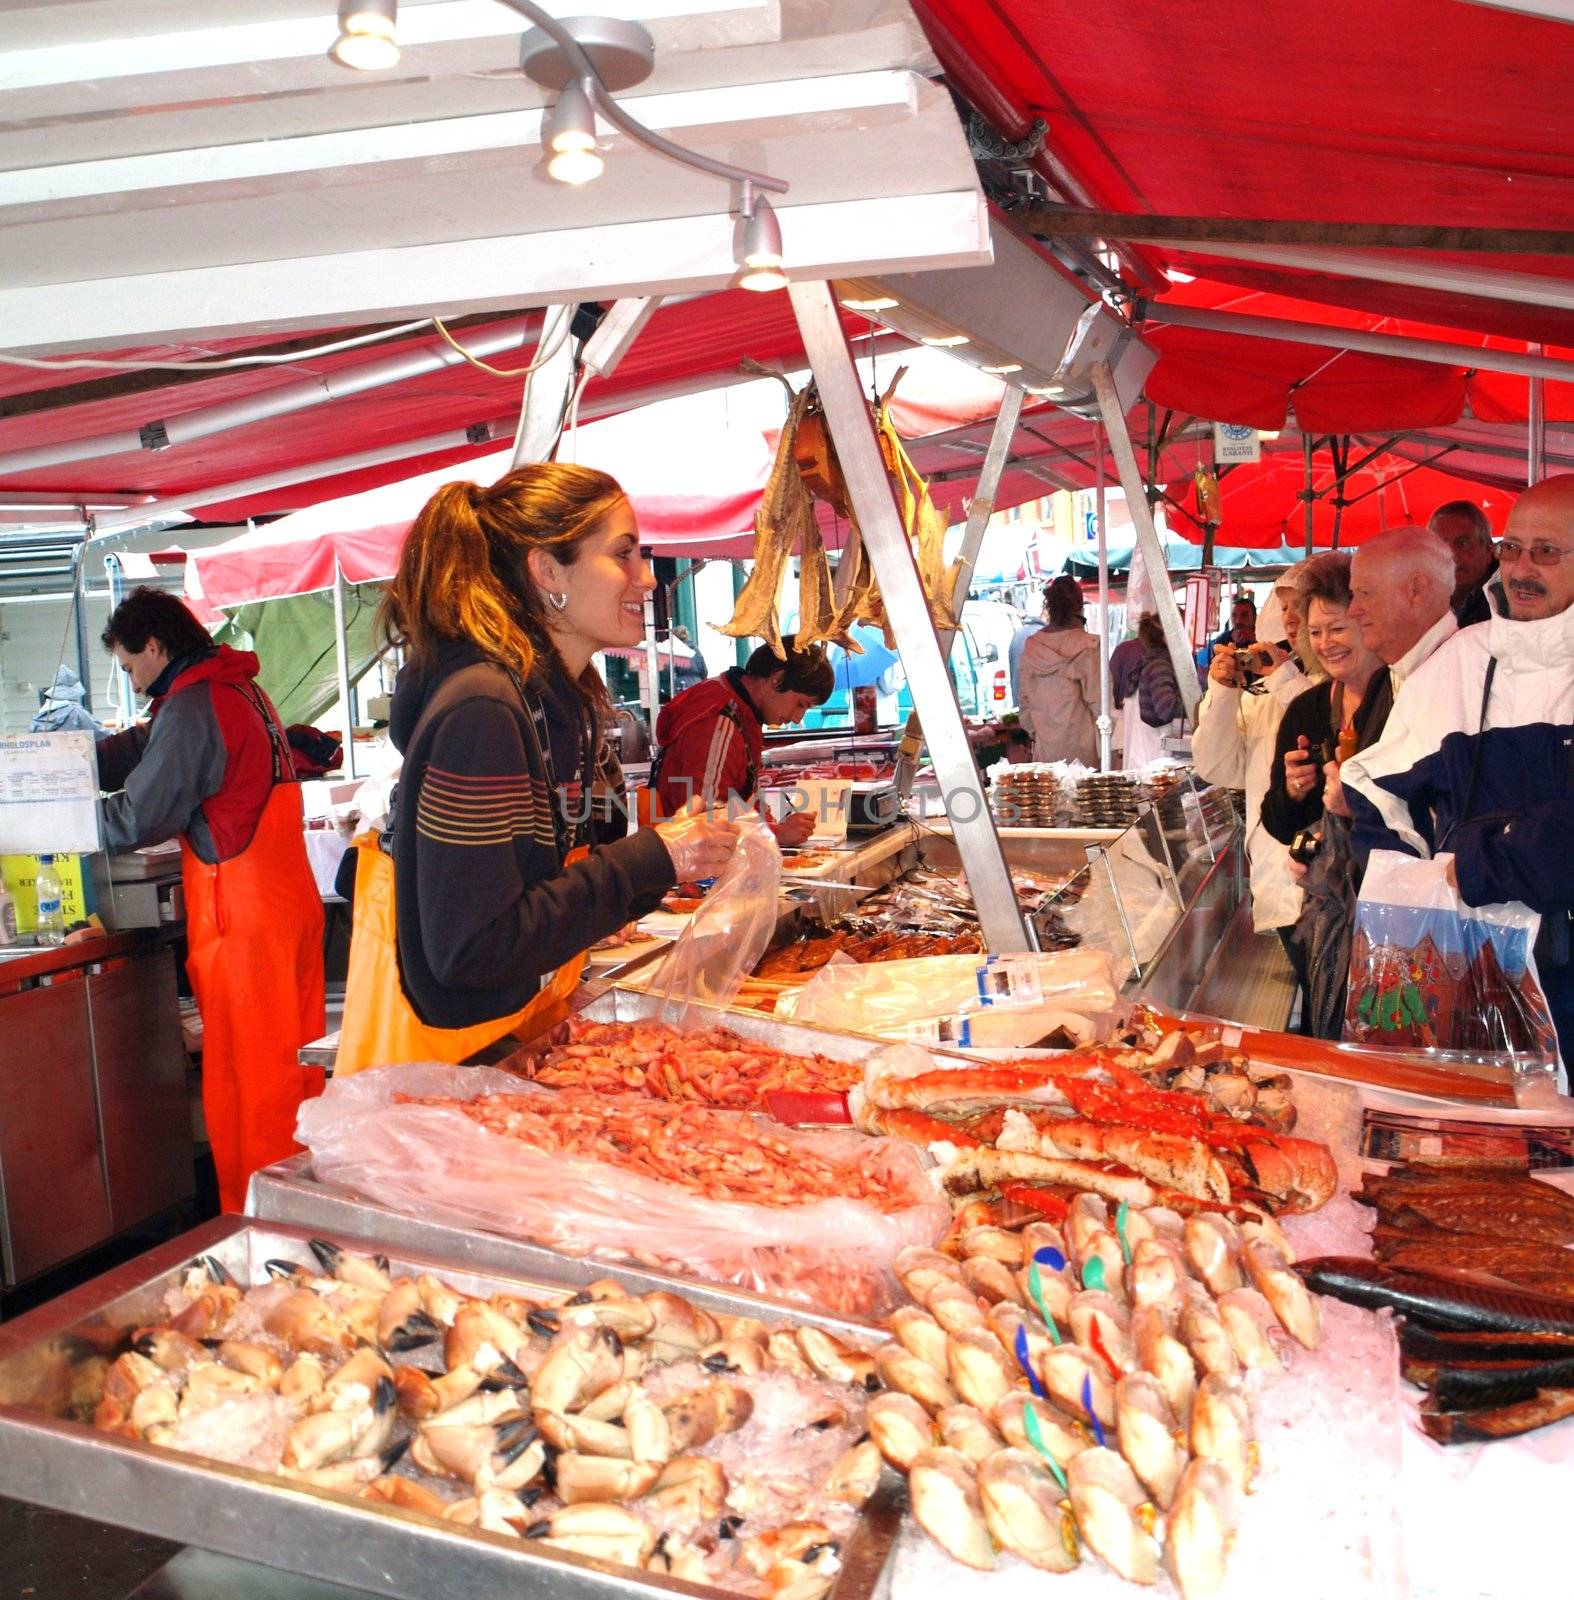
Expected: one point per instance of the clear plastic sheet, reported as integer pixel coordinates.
(435, 1161)
(1001, 999)
(727, 936)
(1428, 971)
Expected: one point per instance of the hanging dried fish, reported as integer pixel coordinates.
(785, 513)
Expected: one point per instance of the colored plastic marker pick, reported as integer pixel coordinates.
(1097, 1340)
(1093, 1274)
(1048, 1256)
(1122, 1212)
(1036, 1439)
(1026, 1364)
(1035, 1285)
(1087, 1405)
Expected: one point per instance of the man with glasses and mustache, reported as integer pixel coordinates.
(1477, 759)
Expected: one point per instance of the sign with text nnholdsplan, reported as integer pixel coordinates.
(48, 794)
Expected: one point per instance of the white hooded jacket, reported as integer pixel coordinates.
(1233, 747)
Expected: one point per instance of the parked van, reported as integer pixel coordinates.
(979, 669)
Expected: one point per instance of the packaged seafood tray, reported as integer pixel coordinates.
(53, 1365)
(681, 1183)
(289, 1195)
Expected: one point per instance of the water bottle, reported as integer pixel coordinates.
(46, 889)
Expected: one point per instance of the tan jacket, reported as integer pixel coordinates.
(1060, 695)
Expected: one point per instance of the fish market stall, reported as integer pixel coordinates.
(1130, 1201)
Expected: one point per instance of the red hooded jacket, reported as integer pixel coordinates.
(710, 743)
(203, 764)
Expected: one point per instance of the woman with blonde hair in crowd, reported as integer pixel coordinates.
(473, 918)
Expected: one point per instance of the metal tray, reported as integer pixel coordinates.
(68, 1466)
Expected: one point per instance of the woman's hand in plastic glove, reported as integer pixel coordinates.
(700, 844)
(793, 830)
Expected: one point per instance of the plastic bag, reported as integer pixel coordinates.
(963, 1000)
(1427, 970)
(436, 1162)
(727, 936)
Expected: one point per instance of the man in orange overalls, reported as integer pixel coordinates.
(212, 766)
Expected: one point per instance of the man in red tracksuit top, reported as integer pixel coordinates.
(212, 767)
(711, 738)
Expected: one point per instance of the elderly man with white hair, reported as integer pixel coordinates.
(1401, 584)
(1233, 747)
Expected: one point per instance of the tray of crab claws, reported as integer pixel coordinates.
(357, 1416)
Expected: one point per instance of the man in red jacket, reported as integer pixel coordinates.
(711, 738)
(211, 765)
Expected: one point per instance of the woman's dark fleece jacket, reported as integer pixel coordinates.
(485, 909)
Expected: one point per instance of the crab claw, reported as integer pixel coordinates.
(582, 1477)
(401, 1323)
(603, 1531)
(581, 1363)
(217, 1271)
(503, 1455)
(365, 1272)
(855, 1475)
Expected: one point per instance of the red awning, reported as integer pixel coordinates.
(1332, 111)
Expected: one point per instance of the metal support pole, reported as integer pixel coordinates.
(1439, 351)
(650, 686)
(1306, 451)
(1148, 545)
(341, 656)
(1106, 717)
(978, 515)
(961, 784)
(79, 614)
(1537, 421)
(546, 390)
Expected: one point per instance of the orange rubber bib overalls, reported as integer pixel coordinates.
(380, 1027)
(254, 958)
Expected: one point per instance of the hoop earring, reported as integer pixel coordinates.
(558, 601)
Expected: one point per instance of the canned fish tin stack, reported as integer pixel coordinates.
(1107, 800)
(1026, 797)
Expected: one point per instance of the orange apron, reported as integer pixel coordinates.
(380, 1028)
(254, 957)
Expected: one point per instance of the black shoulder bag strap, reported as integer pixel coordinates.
(1475, 755)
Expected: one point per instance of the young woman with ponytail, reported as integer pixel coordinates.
(503, 871)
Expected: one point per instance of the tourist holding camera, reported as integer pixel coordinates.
(1321, 727)
(1312, 726)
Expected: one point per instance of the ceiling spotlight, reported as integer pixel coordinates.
(760, 247)
(944, 341)
(569, 134)
(879, 302)
(1050, 391)
(367, 39)
(1001, 368)
(1176, 275)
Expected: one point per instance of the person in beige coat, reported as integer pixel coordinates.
(1060, 680)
